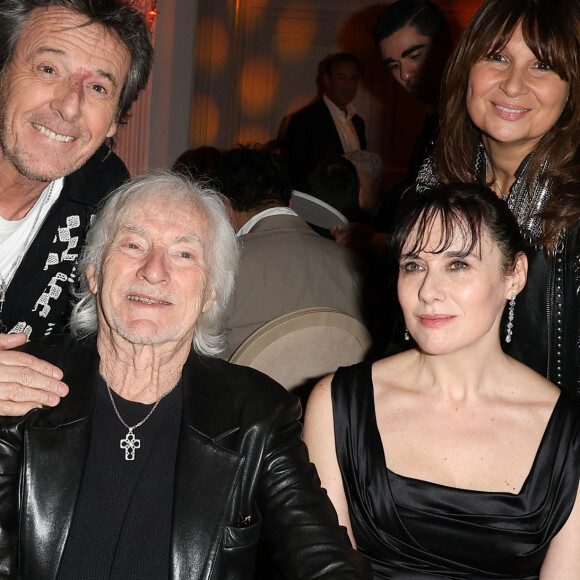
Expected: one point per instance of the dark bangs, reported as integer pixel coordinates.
(465, 212)
(546, 29)
(415, 230)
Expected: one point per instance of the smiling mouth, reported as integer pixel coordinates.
(52, 135)
(144, 300)
(509, 110)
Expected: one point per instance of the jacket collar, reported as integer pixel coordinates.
(279, 221)
(206, 382)
(206, 406)
(100, 174)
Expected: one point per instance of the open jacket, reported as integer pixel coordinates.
(311, 133)
(239, 454)
(39, 297)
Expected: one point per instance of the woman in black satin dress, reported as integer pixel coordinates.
(453, 460)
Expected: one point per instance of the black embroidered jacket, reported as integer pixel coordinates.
(38, 300)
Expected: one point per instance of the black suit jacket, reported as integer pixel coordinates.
(239, 454)
(312, 133)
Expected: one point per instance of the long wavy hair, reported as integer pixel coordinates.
(551, 29)
(222, 250)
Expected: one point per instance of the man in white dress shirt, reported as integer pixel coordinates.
(330, 125)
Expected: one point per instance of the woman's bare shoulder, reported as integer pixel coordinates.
(396, 371)
(529, 386)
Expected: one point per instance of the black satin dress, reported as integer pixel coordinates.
(413, 529)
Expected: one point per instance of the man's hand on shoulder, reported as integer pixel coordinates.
(26, 382)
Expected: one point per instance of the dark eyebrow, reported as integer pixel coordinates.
(447, 254)
(405, 53)
(63, 54)
(412, 49)
(410, 256)
(458, 254)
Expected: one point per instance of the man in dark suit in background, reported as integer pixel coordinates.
(330, 124)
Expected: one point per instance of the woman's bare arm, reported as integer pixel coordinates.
(319, 436)
(563, 558)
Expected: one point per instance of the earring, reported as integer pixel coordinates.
(510, 324)
(407, 335)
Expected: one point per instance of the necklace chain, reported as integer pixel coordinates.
(5, 281)
(493, 176)
(130, 443)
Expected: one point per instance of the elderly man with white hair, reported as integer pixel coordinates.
(163, 461)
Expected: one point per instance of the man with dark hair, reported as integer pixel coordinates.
(334, 180)
(69, 72)
(414, 40)
(198, 162)
(285, 266)
(330, 124)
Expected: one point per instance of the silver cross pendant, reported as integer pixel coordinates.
(130, 443)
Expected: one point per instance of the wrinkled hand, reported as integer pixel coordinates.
(26, 382)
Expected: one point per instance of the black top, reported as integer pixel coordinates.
(409, 528)
(121, 527)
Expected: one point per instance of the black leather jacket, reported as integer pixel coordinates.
(546, 334)
(239, 454)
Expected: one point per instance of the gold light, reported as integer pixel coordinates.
(152, 13)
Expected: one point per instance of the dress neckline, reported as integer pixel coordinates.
(529, 477)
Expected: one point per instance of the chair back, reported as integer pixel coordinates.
(299, 348)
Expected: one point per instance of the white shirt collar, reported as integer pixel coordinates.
(280, 210)
(350, 108)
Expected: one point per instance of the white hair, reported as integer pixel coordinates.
(222, 250)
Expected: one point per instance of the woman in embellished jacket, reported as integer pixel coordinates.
(510, 118)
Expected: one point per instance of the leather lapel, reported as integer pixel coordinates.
(207, 473)
(207, 477)
(55, 450)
